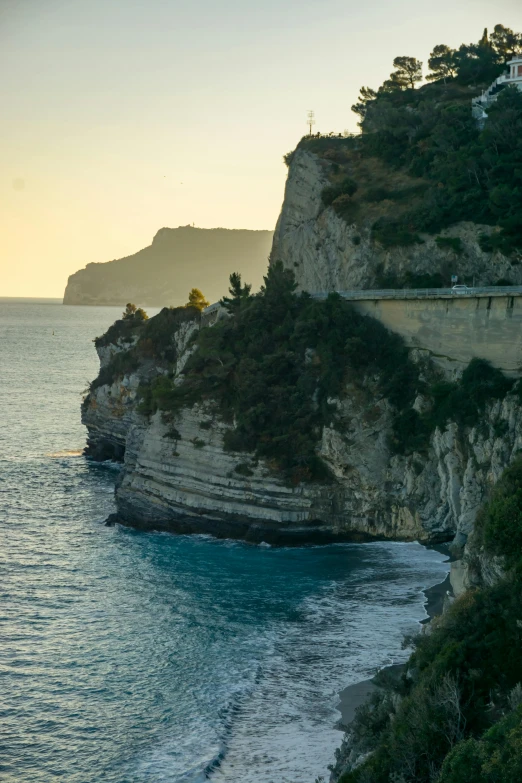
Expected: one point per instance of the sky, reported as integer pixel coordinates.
(122, 116)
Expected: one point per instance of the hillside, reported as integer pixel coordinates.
(423, 193)
(177, 260)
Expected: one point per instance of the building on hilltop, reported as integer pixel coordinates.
(513, 76)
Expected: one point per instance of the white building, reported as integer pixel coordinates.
(512, 76)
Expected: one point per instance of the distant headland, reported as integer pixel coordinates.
(178, 259)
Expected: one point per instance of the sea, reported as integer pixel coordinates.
(131, 657)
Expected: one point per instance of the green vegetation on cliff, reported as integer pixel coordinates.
(456, 714)
(273, 368)
(139, 340)
(423, 163)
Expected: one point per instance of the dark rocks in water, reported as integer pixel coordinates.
(103, 450)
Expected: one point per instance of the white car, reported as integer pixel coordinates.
(461, 289)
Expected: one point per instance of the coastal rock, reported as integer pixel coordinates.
(178, 476)
(328, 254)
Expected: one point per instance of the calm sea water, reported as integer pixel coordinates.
(128, 657)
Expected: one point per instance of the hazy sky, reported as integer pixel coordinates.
(119, 117)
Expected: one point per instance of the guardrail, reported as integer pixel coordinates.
(422, 293)
(410, 293)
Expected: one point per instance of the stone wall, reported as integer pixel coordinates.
(455, 330)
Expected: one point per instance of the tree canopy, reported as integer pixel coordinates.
(238, 293)
(197, 300)
(443, 63)
(134, 313)
(407, 73)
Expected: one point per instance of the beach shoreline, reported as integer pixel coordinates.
(353, 696)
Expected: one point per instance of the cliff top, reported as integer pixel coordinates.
(421, 162)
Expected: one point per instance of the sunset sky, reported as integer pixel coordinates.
(123, 116)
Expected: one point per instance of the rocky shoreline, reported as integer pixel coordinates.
(353, 696)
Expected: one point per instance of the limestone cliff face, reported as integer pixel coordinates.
(328, 254)
(177, 475)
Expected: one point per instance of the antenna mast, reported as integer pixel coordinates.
(310, 120)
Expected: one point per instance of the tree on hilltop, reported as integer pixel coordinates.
(407, 73)
(133, 313)
(197, 300)
(505, 42)
(443, 63)
(366, 96)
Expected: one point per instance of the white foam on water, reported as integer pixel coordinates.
(284, 732)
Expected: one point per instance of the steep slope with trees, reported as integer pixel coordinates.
(423, 192)
(293, 420)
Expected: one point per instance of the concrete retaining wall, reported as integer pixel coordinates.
(455, 330)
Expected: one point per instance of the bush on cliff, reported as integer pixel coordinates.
(499, 523)
(151, 338)
(494, 758)
(462, 401)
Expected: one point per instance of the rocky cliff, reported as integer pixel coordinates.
(328, 252)
(177, 260)
(179, 472)
(178, 476)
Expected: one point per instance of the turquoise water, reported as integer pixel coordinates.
(128, 657)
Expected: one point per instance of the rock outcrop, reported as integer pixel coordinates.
(326, 253)
(178, 476)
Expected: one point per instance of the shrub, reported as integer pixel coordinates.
(450, 243)
(499, 524)
(243, 469)
(347, 187)
(377, 194)
(494, 758)
(391, 233)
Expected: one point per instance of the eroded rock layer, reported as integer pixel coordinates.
(178, 476)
